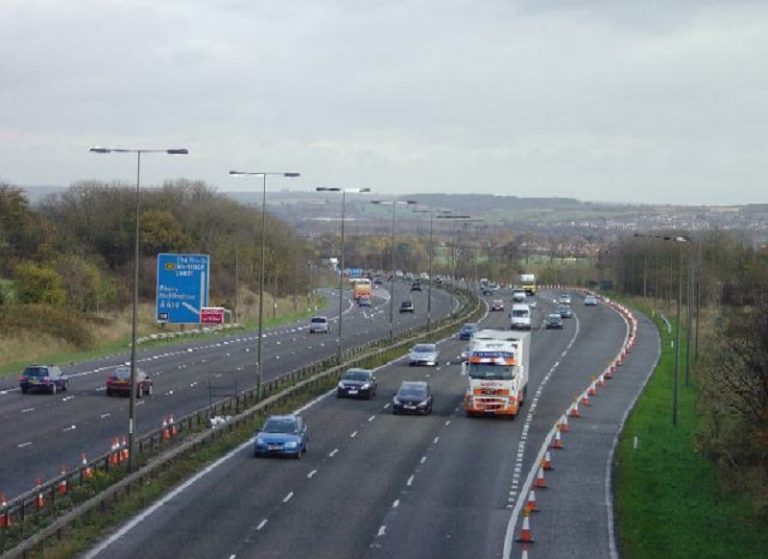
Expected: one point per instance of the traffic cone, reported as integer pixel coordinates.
(174, 431)
(540, 482)
(563, 426)
(166, 431)
(532, 501)
(585, 400)
(124, 450)
(608, 372)
(87, 472)
(113, 456)
(5, 517)
(557, 442)
(601, 380)
(592, 390)
(525, 533)
(63, 481)
(546, 462)
(39, 499)
(620, 360)
(574, 410)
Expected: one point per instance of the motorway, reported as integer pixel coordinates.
(39, 433)
(377, 485)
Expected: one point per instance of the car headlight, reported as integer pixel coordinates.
(340, 385)
(261, 442)
(422, 404)
(395, 400)
(291, 444)
(366, 386)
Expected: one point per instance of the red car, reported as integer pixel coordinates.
(119, 382)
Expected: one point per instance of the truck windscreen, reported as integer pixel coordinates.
(491, 372)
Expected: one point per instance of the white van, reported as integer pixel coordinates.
(520, 317)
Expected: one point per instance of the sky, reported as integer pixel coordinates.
(615, 101)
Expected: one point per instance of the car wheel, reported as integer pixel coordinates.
(299, 454)
(24, 390)
(65, 386)
(109, 392)
(54, 389)
(149, 390)
(139, 392)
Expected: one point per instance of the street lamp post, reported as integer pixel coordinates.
(263, 175)
(135, 302)
(431, 212)
(341, 253)
(394, 204)
(453, 254)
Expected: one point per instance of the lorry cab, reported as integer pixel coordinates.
(520, 317)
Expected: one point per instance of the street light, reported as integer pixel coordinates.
(675, 239)
(135, 302)
(341, 255)
(394, 204)
(431, 212)
(263, 175)
(453, 254)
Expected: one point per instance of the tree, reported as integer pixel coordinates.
(37, 283)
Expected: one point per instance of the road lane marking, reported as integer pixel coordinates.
(333, 452)
(382, 531)
(410, 481)
(22, 445)
(70, 428)
(262, 524)
(288, 497)
(371, 418)
(311, 474)
(423, 459)
(353, 435)
(436, 439)
(447, 422)
(396, 503)
(386, 406)
(26, 410)
(104, 415)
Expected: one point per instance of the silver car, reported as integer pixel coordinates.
(319, 324)
(590, 301)
(424, 354)
(564, 299)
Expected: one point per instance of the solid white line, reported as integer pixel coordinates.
(262, 524)
(288, 497)
(333, 452)
(311, 474)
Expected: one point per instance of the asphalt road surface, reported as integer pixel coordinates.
(378, 485)
(39, 433)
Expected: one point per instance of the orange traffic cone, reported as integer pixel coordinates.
(525, 533)
(174, 431)
(563, 426)
(557, 442)
(114, 457)
(574, 411)
(546, 462)
(601, 380)
(585, 400)
(532, 501)
(592, 390)
(5, 517)
(39, 499)
(166, 431)
(608, 373)
(124, 450)
(540, 482)
(87, 472)
(63, 482)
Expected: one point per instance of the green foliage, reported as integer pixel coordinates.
(45, 320)
(37, 283)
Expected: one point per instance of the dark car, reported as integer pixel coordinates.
(565, 311)
(553, 320)
(406, 306)
(364, 302)
(46, 378)
(119, 382)
(467, 330)
(282, 435)
(359, 383)
(416, 286)
(413, 397)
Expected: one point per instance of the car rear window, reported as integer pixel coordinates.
(318, 320)
(36, 372)
(412, 392)
(357, 375)
(424, 348)
(280, 426)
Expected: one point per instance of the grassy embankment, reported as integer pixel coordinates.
(668, 498)
(49, 337)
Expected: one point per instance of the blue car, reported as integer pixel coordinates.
(467, 330)
(282, 435)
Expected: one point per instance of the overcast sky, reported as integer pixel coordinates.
(629, 101)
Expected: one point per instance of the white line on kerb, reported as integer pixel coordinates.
(288, 497)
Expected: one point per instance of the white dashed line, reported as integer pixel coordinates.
(382, 531)
(70, 428)
(333, 452)
(423, 459)
(288, 497)
(22, 445)
(27, 410)
(410, 481)
(386, 406)
(262, 524)
(372, 418)
(436, 439)
(353, 435)
(104, 415)
(396, 504)
(311, 474)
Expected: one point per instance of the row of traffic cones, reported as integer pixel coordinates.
(118, 452)
(525, 536)
(169, 429)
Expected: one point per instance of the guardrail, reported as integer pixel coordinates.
(174, 440)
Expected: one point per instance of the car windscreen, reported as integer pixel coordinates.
(319, 320)
(468, 328)
(553, 317)
(357, 375)
(412, 393)
(424, 348)
(280, 426)
(123, 373)
(520, 313)
(36, 372)
(491, 372)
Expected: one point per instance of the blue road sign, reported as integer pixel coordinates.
(354, 272)
(182, 287)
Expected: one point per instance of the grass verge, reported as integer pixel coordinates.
(668, 497)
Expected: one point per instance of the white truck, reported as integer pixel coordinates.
(528, 283)
(497, 372)
(520, 317)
